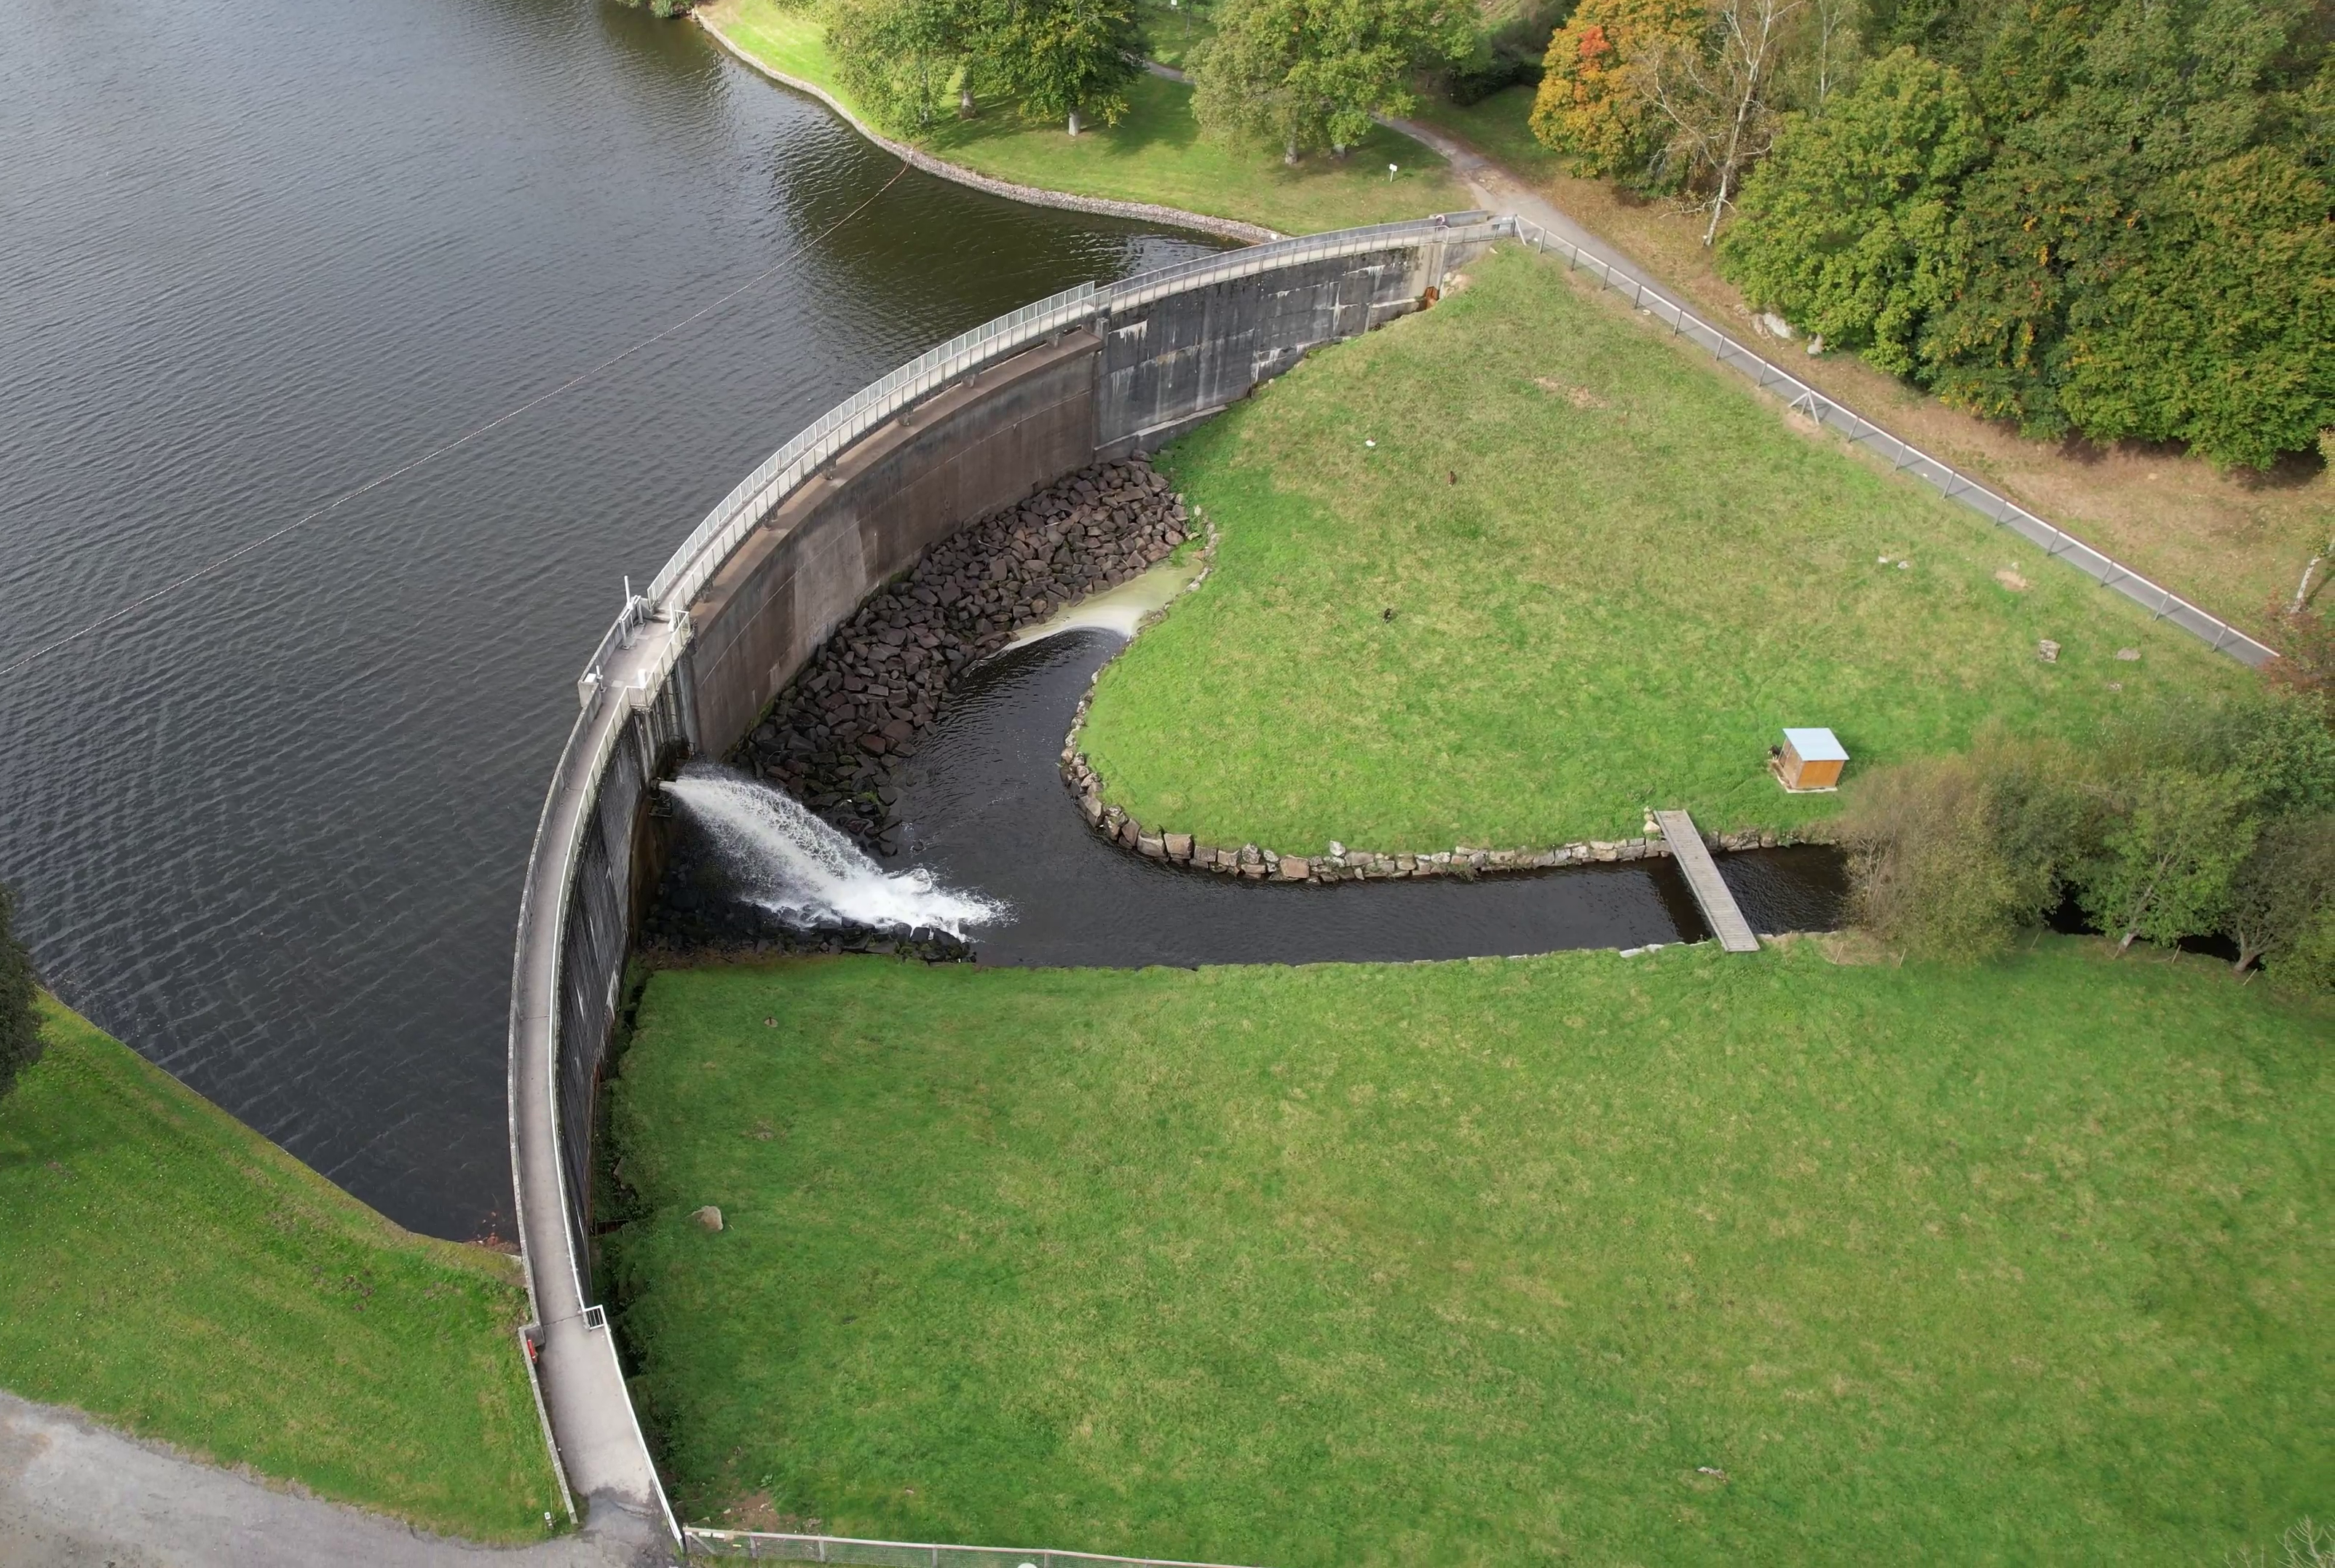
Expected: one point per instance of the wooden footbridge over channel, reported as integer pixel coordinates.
(1719, 911)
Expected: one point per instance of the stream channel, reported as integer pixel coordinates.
(982, 811)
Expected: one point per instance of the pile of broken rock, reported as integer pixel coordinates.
(868, 693)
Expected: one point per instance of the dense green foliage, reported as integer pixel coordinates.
(2196, 821)
(1682, 1259)
(170, 1272)
(1156, 153)
(1616, 575)
(1310, 74)
(1848, 219)
(2113, 219)
(1060, 60)
(901, 59)
(20, 1027)
(1069, 59)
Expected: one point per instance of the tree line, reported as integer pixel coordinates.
(1298, 75)
(2113, 219)
(2182, 823)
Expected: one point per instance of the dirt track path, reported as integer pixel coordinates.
(73, 1493)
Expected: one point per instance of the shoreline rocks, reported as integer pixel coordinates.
(866, 698)
(1341, 864)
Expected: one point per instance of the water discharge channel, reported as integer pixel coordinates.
(991, 846)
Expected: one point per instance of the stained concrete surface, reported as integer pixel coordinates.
(74, 1493)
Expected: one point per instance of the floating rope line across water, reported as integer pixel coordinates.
(222, 562)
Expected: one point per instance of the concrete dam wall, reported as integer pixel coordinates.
(1128, 378)
(977, 424)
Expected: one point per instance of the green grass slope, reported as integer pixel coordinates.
(1156, 154)
(170, 1272)
(1616, 575)
(1492, 1262)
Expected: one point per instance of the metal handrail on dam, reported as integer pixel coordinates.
(977, 424)
(637, 704)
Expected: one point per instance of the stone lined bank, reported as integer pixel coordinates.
(868, 695)
(1344, 863)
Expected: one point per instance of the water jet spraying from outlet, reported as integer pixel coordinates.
(787, 861)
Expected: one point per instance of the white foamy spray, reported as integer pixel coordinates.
(801, 869)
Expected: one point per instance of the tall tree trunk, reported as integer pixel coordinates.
(2302, 588)
(1074, 122)
(964, 99)
(1289, 152)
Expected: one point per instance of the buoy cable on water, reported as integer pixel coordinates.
(374, 483)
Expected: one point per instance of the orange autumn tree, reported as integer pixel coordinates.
(1592, 106)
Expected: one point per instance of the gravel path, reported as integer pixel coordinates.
(76, 1494)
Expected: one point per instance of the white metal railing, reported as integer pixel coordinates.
(1904, 457)
(737, 514)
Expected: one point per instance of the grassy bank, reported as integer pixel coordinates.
(173, 1274)
(1615, 574)
(1679, 1259)
(1156, 154)
(2232, 542)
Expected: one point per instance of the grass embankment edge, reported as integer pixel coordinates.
(1152, 168)
(171, 1273)
(1229, 228)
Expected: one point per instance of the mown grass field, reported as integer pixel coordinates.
(2232, 542)
(1156, 154)
(175, 1274)
(1681, 1259)
(1615, 576)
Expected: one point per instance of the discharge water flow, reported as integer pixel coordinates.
(804, 871)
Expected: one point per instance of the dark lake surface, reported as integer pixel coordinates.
(270, 830)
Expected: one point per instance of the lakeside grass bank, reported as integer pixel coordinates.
(1676, 1258)
(1156, 155)
(1614, 575)
(173, 1274)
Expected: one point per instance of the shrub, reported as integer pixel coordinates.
(1949, 856)
(20, 1027)
(2166, 863)
(2282, 901)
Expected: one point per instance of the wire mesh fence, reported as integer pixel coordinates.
(2162, 602)
(774, 1547)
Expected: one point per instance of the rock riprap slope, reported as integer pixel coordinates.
(868, 693)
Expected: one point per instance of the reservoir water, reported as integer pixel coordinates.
(269, 830)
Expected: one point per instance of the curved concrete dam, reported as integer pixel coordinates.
(269, 829)
(857, 498)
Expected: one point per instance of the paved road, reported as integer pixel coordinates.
(75, 1494)
(1494, 187)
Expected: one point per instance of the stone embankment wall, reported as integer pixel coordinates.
(868, 695)
(1340, 863)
